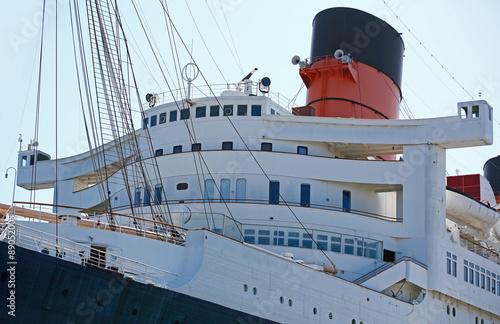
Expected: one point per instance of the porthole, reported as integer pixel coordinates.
(254, 291)
(353, 321)
(448, 309)
(290, 302)
(245, 287)
(330, 316)
(282, 300)
(454, 312)
(315, 311)
(134, 311)
(65, 292)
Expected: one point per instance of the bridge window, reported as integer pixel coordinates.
(256, 110)
(182, 186)
(274, 192)
(302, 150)
(241, 190)
(159, 152)
(225, 189)
(145, 123)
(185, 113)
(153, 120)
(201, 112)
(163, 118)
(214, 111)
(173, 115)
(177, 149)
(228, 110)
(242, 110)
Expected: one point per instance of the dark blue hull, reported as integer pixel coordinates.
(51, 290)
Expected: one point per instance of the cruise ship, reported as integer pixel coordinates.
(231, 205)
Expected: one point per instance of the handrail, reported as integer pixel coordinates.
(71, 251)
(290, 203)
(478, 246)
(387, 266)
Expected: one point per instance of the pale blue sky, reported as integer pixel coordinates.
(463, 35)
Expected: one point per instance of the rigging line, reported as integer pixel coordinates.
(37, 115)
(203, 40)
(148, 137)
(294, 99)
(191, 133)
(231, 35)
(94, 157)
(224, 37)
(428, 51)
(416, 94)
(173, 47)
(433, 72)
(250, 152)
(56, 191)
(24, 109)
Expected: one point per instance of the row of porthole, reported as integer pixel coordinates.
(290, 303)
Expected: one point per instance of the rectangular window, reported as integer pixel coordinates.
(153, 120)
(177, 149)
(306, 241)
(336, 243)
(302, 150)
(346, 201)
(209, 190)
(273, 112)
(466, 271)
(32, 159)
(274, 192)
(196, 147)
(322, 241)
(475, 111)
(201, 112)
(137, 199)
(185, 113)
(227, 146)
(228, 110)
(305, 195)
(279, 238)
(242, 110)
(454, 265)
(264, 237)
(145, 123)
(266, 146)
(158, 194)
(159, 152)
(483, 279)
(241, 190)
(463, 112)
(471, 273)
(24, 161)
(173, 115)
(225, 189)
(293, 239)
(477, 276)
(348, 244)
(256, 110)
(372, 249)
(147, 196)
(250, 236)
(214, 111)
(163, 118)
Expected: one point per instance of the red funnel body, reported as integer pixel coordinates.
(337, 89)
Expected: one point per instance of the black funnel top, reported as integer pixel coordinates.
(491, 170)
(368, 39)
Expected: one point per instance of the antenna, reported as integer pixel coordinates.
(189, 73)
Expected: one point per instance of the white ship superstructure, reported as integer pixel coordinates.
(274, 214)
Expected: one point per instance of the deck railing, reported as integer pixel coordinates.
(89, 256)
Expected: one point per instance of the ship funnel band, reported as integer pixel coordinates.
(353, 102)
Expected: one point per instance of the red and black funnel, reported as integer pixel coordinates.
(355, 67)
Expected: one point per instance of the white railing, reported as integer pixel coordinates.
(86, 255)
(206, 91)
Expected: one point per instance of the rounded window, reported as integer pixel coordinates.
(245, 287)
